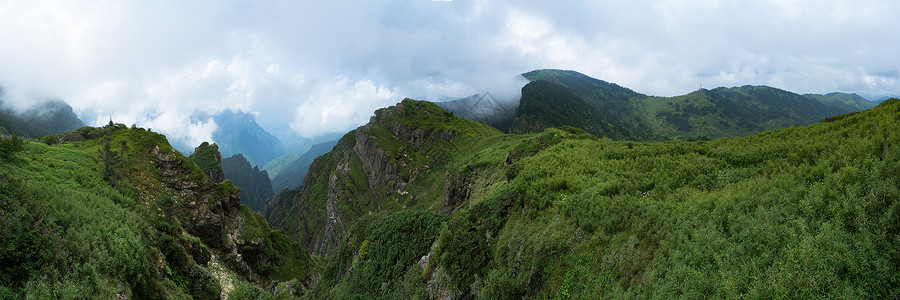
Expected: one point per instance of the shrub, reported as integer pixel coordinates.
(11, 145)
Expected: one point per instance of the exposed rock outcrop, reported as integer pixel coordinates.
(212, 212)
(369, 170)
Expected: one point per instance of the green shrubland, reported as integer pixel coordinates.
(801, 212)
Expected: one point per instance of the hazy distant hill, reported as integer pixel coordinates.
(50, 117)
(484, 108)
(555, 98)
(845, 101)
(238, 132)
(289, 170)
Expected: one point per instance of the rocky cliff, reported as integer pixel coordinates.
(373, 170)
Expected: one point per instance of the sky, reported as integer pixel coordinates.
(314, 68)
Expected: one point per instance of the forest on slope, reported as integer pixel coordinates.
(801, 212)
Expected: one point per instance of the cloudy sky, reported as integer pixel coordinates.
(308, 68)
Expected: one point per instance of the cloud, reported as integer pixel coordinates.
(340, 104)
(310, 68)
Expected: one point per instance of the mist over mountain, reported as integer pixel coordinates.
(49, 116)
(237, 132)
(484, 108)
(290, 170)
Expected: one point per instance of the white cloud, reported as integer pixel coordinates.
(314, 67)
(339, 104)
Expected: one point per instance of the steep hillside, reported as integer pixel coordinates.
(49, 117)
(546, 104)
(396, 161)
(209, 160)
(801, 212)
(289, 171)
(256, 188)
(118, 213)
(616, 104)
(621, 114)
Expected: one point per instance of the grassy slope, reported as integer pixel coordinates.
(86, 219)
(802, 212)
(301, 213)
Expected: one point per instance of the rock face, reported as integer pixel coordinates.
(369, 170)
(212, 212)
(216, 221)
(256, 188)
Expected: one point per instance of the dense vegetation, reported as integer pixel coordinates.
(801, 212)
(422, 204)
(209, 160)
(845, 101)
(119, 213)
(566, 98)
(256, 188)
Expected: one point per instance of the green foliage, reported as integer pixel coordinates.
(801, 212)
(47, 117)
(94, 216)
(382, 254)
(207, 158)
(555, 98)
(11, 145)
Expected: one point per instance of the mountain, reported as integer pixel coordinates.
(567, 98)
(49, 117)
(289, 171)
(844, 101)
(238, 132)
(374, 168)
(120, 214)
(256, 188)
(209, 160)
(419, 203)
(484, 108)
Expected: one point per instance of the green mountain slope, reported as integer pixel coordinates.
(396, 161)
(844, 101)
(209, 160)
(118, 213)
(256, 188)
(801, 212)
(621, 114)
(616, 104)
(49, 117)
